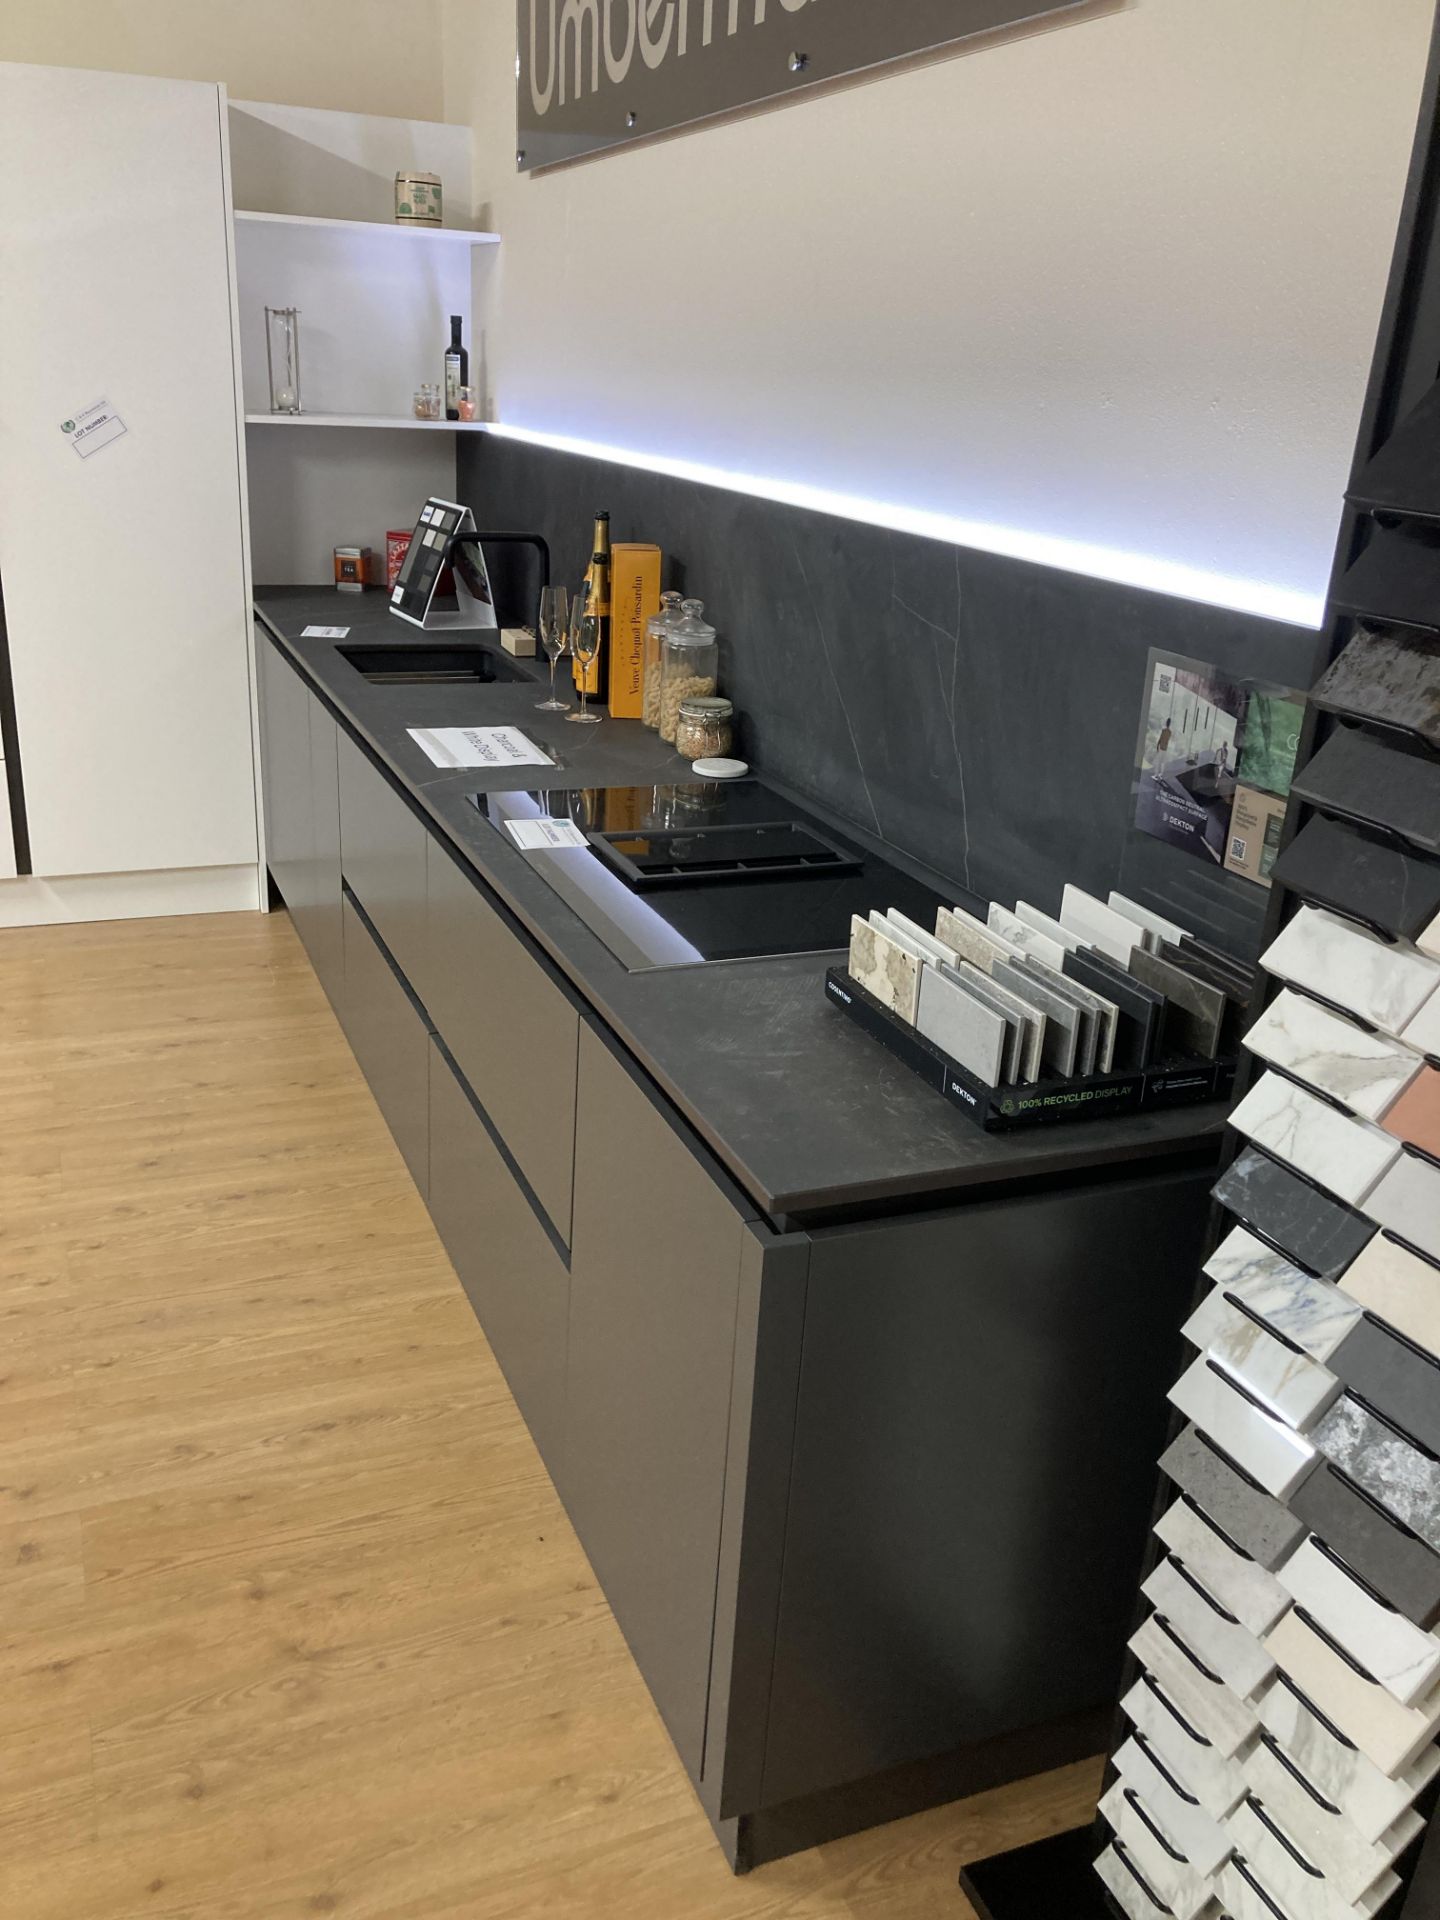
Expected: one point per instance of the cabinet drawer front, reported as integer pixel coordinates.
(321, 927)
(512, 1031)
(510, 1269)
(390, 1041)
(382, 856)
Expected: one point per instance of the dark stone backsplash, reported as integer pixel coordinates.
(979, 713)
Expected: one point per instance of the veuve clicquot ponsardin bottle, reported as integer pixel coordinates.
(457, 369)
(596, 678)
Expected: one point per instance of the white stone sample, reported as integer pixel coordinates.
(1313, 1313)
(1347, 1157)
(1366, 1072)
(1386, 985)
(1273, 1455)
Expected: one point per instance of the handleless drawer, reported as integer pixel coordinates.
(382, 858)
(512, 1032)
(390, 1041)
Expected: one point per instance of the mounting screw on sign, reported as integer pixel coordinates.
(799, 62)
(631, 119)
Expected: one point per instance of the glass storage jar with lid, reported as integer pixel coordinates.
(656, 627)
(703, 727)
(690, 656)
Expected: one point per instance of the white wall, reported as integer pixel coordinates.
(1116, 281)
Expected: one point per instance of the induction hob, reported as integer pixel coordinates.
(676, 876)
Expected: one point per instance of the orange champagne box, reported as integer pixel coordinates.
(634, 601)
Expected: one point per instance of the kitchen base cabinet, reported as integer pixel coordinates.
(320, 923)
(382, 855)
(299, 745)
(390, 1040)
(509, 1266)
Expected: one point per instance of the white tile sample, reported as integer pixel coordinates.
(1366, 1072)
(1324, 1834)
(1031, 1023)
(884, 968)
(1183, 1887)
(961, 1026)
(1402, 1657)
(1216, 1781)
(1133, 1900)
(1407, 1201)
(1346, 1157)
(972, 939)
(1235, 1885)
(1386, 985)
(1306, 1895)
(1271, 1453)
(1313, 1313)
(1368, 1797)
(1292, 1386)
(1155, 923)
(1200, 1838)
(911, 934)
(1398, 1287)
(1047, 924)
(1098, 925)
(1383, 1463)
(1021, 934)
(1385, 1732)
(1240, 1584)
(1422, 1030)
(1429, 940)
(1227, 1648)
(1213, 1709)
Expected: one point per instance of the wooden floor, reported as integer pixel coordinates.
(291, 1622)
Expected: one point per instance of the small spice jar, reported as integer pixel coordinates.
(466, 404)
(704, 727)
(427, 401)
(690, 665)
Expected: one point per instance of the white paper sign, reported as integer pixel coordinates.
(92, 428)
(530, 834)
(324, 633)
(479, 747)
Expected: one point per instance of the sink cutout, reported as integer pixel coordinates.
(430, 666)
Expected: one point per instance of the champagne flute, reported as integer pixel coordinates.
(585, 645)
(554, 634)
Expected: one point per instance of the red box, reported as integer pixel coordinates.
(397, 545)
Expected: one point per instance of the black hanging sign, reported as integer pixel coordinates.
(597, 73)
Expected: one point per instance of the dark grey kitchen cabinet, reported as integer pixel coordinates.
(382, 856)
(390, 1040)
(285, 704)
(510, 1268)
(320, 923)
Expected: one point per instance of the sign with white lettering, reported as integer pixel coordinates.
(597, 73)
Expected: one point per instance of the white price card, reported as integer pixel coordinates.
(324, 633)
(479, 747)
(92, 428)
(529, 835)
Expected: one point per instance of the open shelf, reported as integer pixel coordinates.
(435, 235)
(363, 420)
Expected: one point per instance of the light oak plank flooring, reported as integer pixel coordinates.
(291, 1622)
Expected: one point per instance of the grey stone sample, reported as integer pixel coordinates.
(1391, 1376)
(1396, 1563)
(1392, 677)
(1383, 1464)
(1358, 774)
(1317, 1232)
(1140, 1010)
(1062, 1018)
(1361, 875)
(1194, 1010)
(1258, 1524)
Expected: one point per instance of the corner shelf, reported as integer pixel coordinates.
(401, 420)
(432, 235)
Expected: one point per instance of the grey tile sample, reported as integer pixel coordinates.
(1407, 1201)
(1269, 1451)
(1257, 1523)
(1062, 1022)
(1347, 1157)
(1384, 1552)
(1188, 1829)
(1216, 1782)
(1314, 1314)
(1046, 923)
(1087, 1044)
(1302, 1891)
(1021, 934)
(1357, 774)
(1324, 1834)
(957, 1023)
(1241, 1585)
(1389, 676)
(1225, 1645)
(1030, 1025)
(1316, 1231)
(1366, 1072)
(1102, 1012)
(1398, 1287)
(1226, 1721)
(1194, 1011)
(1185, 1891)
(1383, 1463)
(1386, 985)
(1401, 1656)
(1139, 1010)
(1391, 1376)
(972, 939)
(975, 983)
(1290, 1385)
(1358, 873)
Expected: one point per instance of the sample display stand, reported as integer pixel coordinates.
(1387, 570)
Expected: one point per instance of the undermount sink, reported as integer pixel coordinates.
(401, 666)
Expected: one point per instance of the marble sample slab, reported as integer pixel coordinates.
(1392, 1736)
(1407, 1201)
(1346, 1157)
(1356, 872)
(1292, 1386)
(1227, 1648)
(1258, 1524)
(1273, 1455)
(1428, 939)
(1387, 1373)
(1216, 1782)
(1184, 1824)
(1021, 934)
(1243, 1895)
(1337, 1768)
(1333, 958)
(1366, 1072)
(1386, 1553)
(1398, 1287)
(1061, 1038)
(1139, 1012)
(1098, 925)
(1422, 1030)
(1241, 1585)
(1403, 1658)
(1185, 1889)
(1366, 778)
(1194, 1010)
(1303, 1890)
(972, 939)
(1213, 1709)
(1241, 978)
(884, 968)
(1029, 1025)
(1313, 1314)
(1098, 1015)
(1046, 923)
(961, 1026)
(971, 981)
(1415, 1116)
(1383, 1463)
(1392, 676)
(1325, 1834)
(1130, 1892)
(1317, 1232)
(912, 935)
(1147, 918)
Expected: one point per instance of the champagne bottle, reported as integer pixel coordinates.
(596, 679)
(457, 369)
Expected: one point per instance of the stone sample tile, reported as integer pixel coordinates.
(1147, 918)
(1135, 1899)
(1407, 1201)
(1387, 1373)
(962, 1026)
(972, 939)
(1045, 923)
(1422, 1030)
(1383, 1551)
(1303, 1891)
(1098, 925)
(1329, 1838)
(1398, 1287)
(1029, 1026)
(1269, 1451)
(1194, 1010)
(1317, 1232)
(1021, 934)
(1216, 1782)
(1258, 1524)
(1415, 1116)
(1220, 1715)
(1227, 1648)
(1102, 1014)
(1061, 1044)
(1189, 1828)
(1347, 1157)
(1386, 985)
(1428, 940)
(1179, 1882)
(1358, 774)
(1392, 1736)
(913, 937)
(1290, 1385)
(1361, 874)
(1372, 1800)
(1241, 1585)
(1243, 1895)
(1392, 676)
(1139, 1012)
(1366, 1072)
(1384, 1464)
(1403, 1658)
(884, 968)
(1314, 1314)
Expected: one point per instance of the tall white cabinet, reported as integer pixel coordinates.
(124, 574)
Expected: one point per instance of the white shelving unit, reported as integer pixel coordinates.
(363, 420)
(427, 236)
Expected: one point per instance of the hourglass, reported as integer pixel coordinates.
(282, 358)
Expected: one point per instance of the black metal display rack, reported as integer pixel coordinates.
(1386, 576)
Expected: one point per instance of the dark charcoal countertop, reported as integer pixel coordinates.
(805, 1112)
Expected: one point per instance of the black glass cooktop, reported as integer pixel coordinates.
(674, 876)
